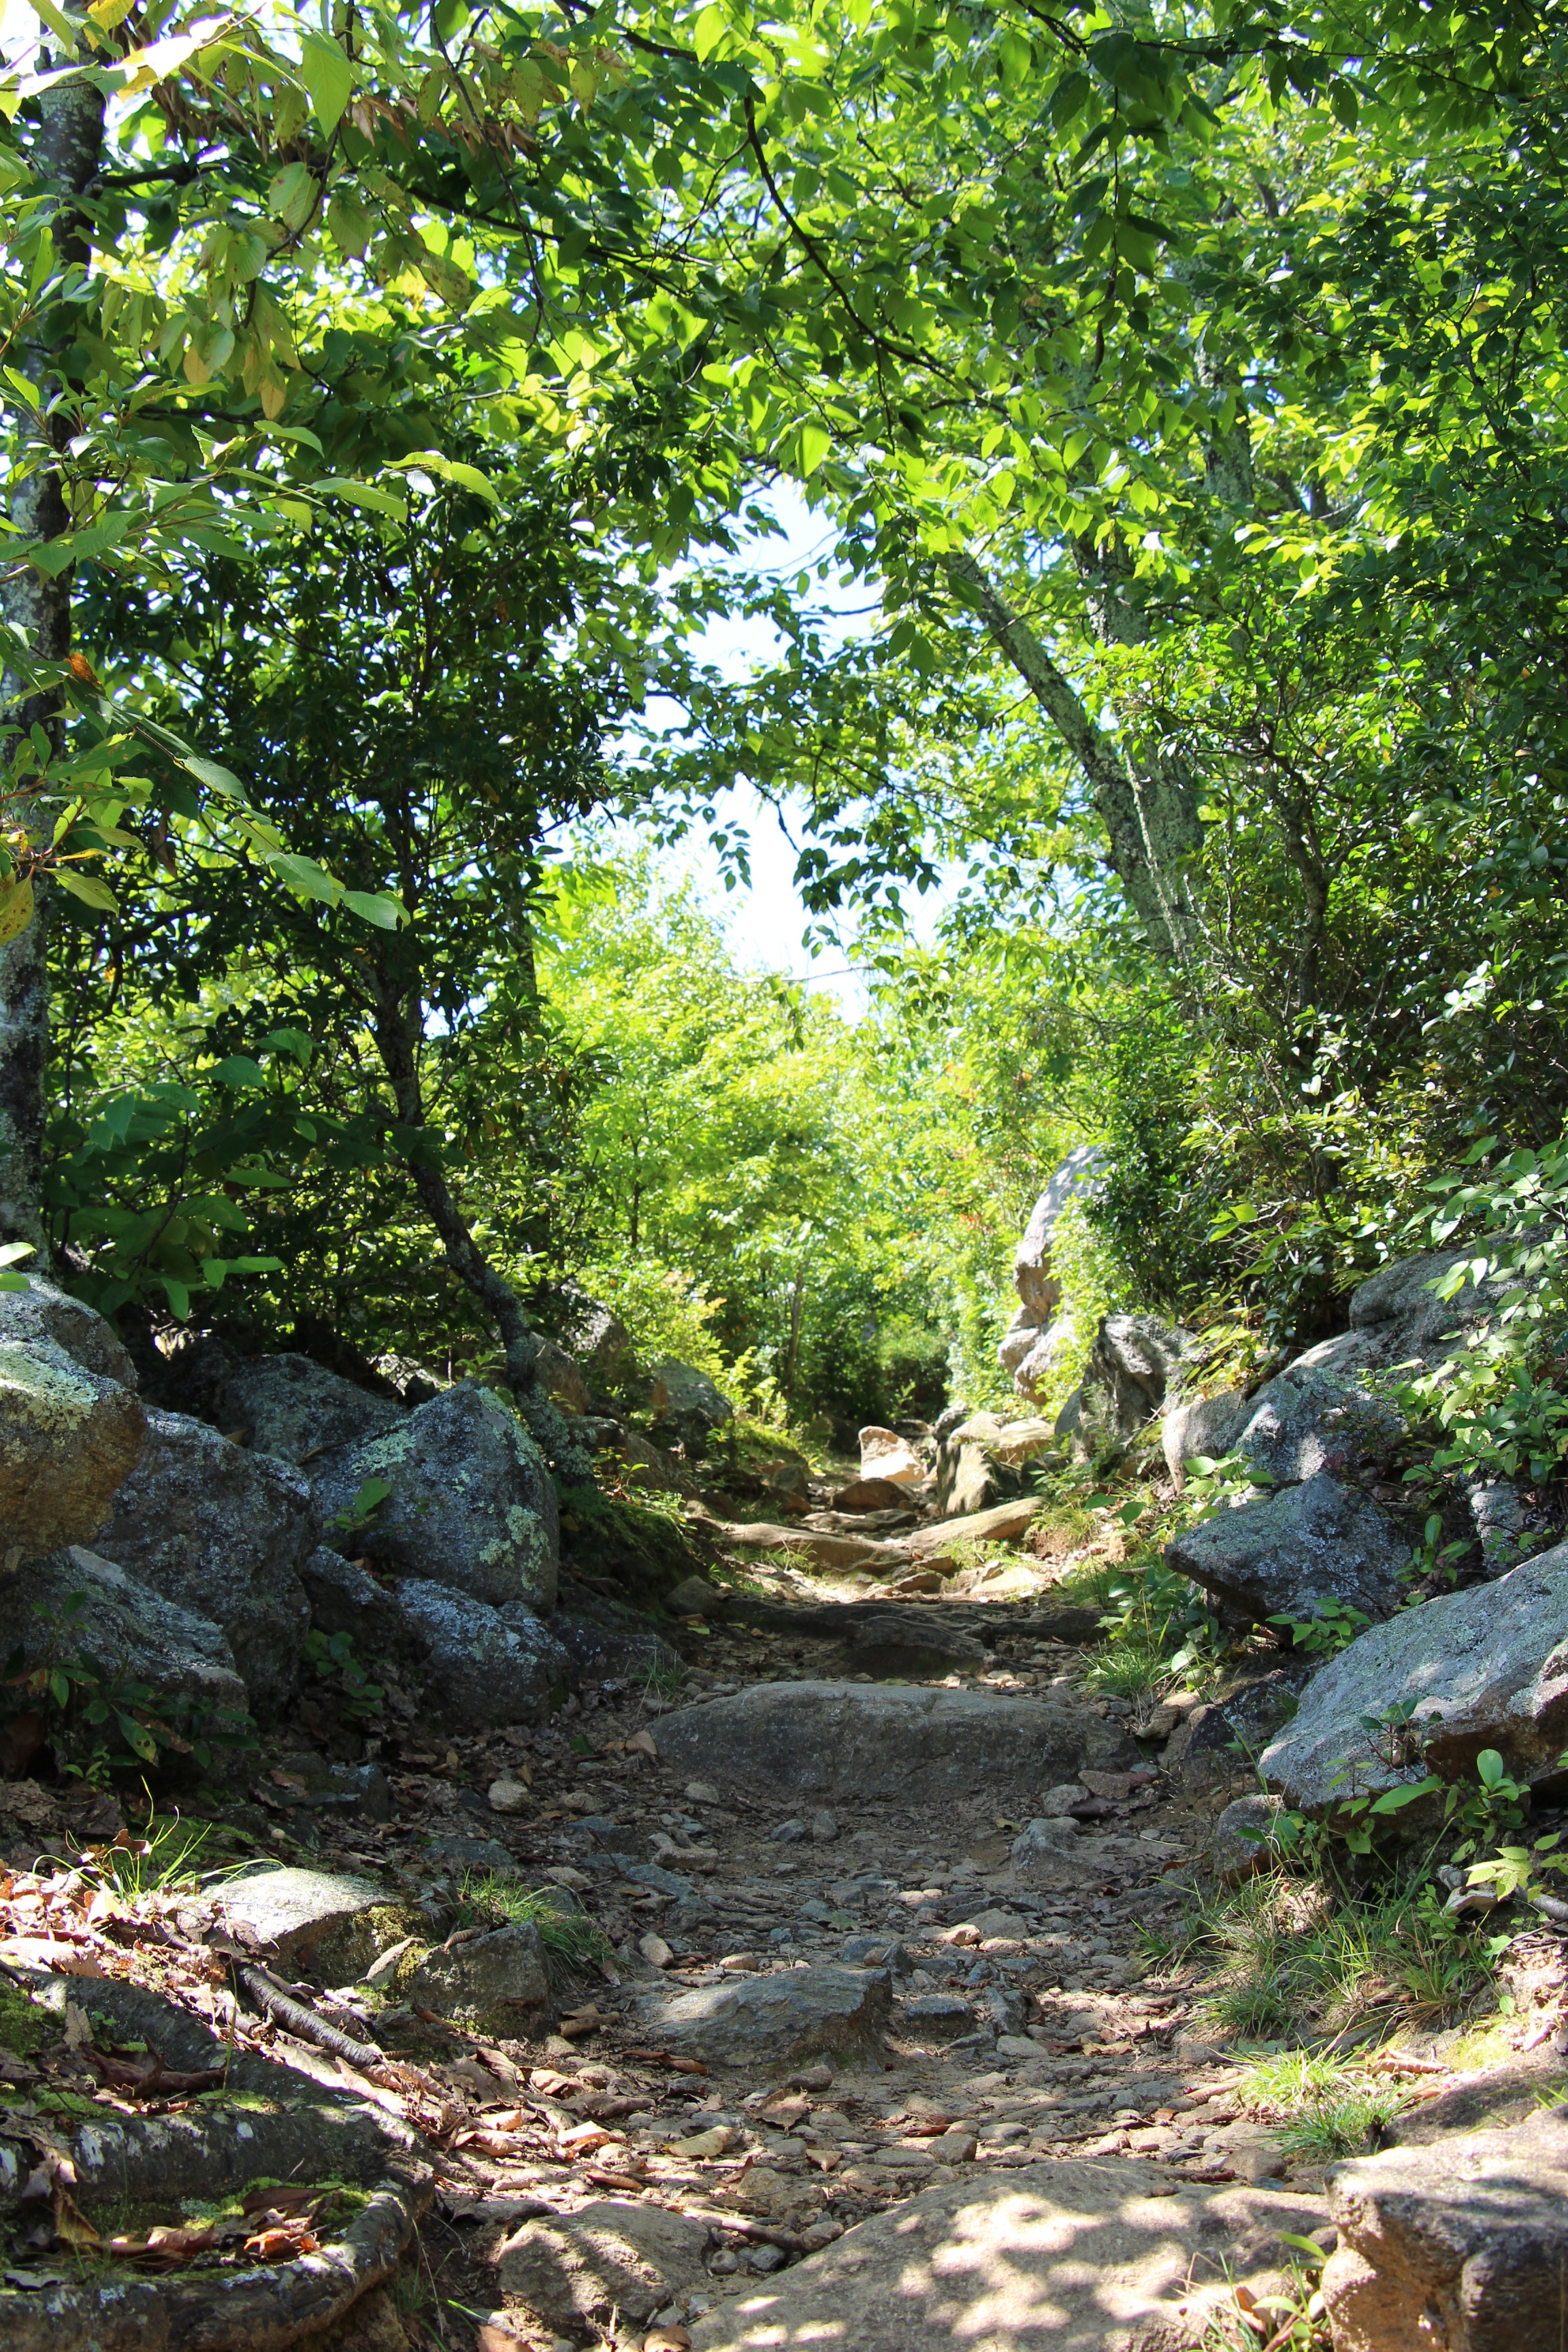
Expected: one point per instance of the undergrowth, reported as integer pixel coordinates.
(571, 1938)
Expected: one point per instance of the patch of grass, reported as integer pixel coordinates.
(1128, 1669)
(1326, 2108)
(571, 1939)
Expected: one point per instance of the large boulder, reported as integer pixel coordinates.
(887, 1455)
(1283, 1555)
(611, 2258)
(470, 1503)
(918, 1744)
(594, 1336)
(480, 1666)
(67, 1436)
(224, 1532)
(1206, 1426)
(1462, 2244)
(1487, 1668)
(983, 1460)
(1307, 1419)
(684, 1403)
(43, 1312)
(1134, 1363)
(292, 1406)
(750, 2021)
(1039, 1337)
(74, 1605)
(1063, 2256)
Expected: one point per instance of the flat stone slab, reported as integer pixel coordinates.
(1463, 2243)
(851, 1739)
(998, 1525)
(612, 2256)
(1057, 2257)
(829, 2012)
(295, 1910)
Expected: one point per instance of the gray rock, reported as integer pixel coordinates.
(1463, 2243)
(225, 1533)
(685, 1403)
(1283, 1554)
(499, 1982)
(604, 1638)
(1215, 1744)
(560, 1375)
(1057, 1804)
(294, 1407)
(851, 1739)
(1037, 1851)
(44, 1312)
(125, 1630)
(983, 1460)
(749, 2021)
(1063, 2256)
(1395, 1320)
(311, 1915)
(67, 1436)
(1207, 1425)
(903, 1644)
(1135, 1360)
(596, 1338)
(1484, 1668)
(1309, 1420)
(344, 1599)
(472, 1506)
(938, 2013)
(480, 1666)
(694, 1597)
(1243, 1840)
(474, 1854)
(609, 2259)
(358, 1791)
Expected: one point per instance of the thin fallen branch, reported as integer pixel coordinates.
(287, 2012)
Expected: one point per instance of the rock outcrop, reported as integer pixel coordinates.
(292, 1406)
(983, 1459)
(1038, 1335)
(1487, 1668)
(1284, 1554)
(43, 1312)
(75, 1605)
(1463, 2245)
(470, 1503)
(68, 1437)
(225, 1533)
(1135, 1364)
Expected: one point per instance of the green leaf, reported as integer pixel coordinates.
(87, 887)
(816, 441)
(239, 1071)
(216, 780)
(303, 874)
(328, 76)
(293, 195)
(371, 907)
(11, 1252)
(362, 494)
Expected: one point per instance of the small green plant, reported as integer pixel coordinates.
(332, 1656)
(1433, 1557)
(356, 1517)
(100, 1718)
(1333, 1627)
(1325, 2108)
(1157, 1625)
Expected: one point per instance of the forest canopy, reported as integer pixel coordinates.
(396, 401)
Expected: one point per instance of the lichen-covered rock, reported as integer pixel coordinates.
(480, 1666)
(323, 1918)
(294, 1407)
(1243, 1839)
(345, 1599)
(44, 1312)
(1308, 1419)
(67, 1436)
(603, 1637)
(471, 1505)
(1462, 2244)
(1285, 1553)
(124, 1630)
(1482, 1668)
(498, 1982)
(224, 1532)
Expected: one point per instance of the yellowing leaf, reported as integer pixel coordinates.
(816, 441)
(16, 907)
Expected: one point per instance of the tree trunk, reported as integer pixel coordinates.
(398, 1014)
(1148, 807)
(65, 153)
